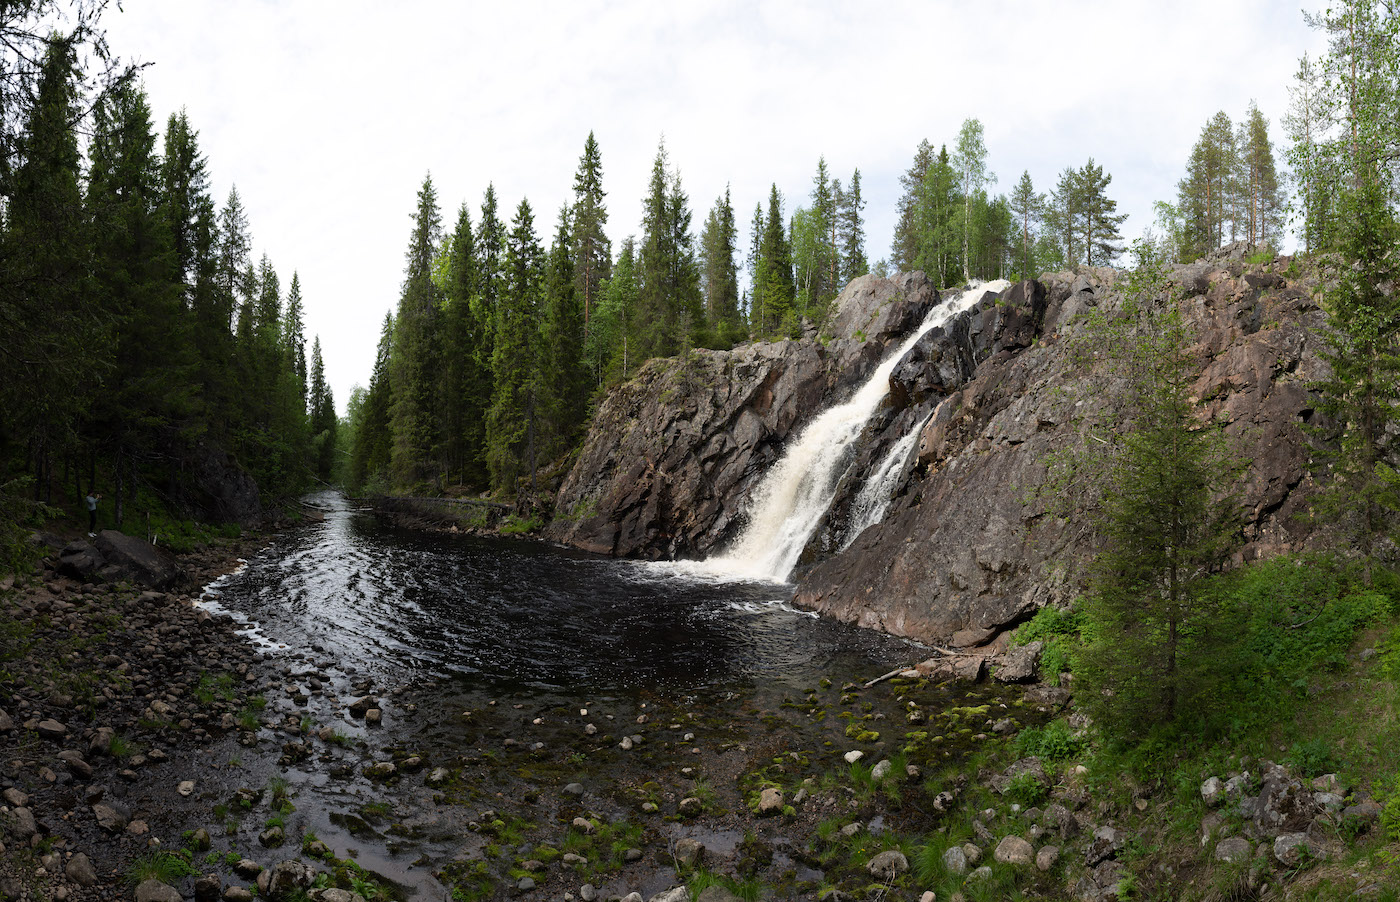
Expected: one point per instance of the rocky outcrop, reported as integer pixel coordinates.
(976, 537)
(979, 539)
(116, 556)
(672, 455)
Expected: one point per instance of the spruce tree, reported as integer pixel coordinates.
(779, 318)
(416, 356)
(565, 374)
(719, 276)
(851, 232)
(512, 423)
(322, 415)
(369, 464)
(466, 384)
(591, 251)
(908, 231)
(668, 306)
(937, 229)
(1167, 517)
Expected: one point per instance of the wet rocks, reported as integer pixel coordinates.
(888, 864)
(770, 802)
(689, 852)
(155, 891)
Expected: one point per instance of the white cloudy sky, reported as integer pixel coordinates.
(327, 114)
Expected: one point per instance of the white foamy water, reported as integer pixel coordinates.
(789, 502)
(874, 497)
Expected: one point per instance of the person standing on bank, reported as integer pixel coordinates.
(92, 499)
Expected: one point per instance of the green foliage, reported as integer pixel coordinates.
(1164, 515)
(1059, 631)
(1390, 810)
(1312, 758)
(1054, 743)
(167, 867)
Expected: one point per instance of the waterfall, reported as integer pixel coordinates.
(873, 499)
(789, 503)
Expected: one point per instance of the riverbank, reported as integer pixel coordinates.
(147, 738)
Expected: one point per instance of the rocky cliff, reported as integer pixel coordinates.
(971, 543)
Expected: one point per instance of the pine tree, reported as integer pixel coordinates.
(416, 356)
(1028, 207)
(1097, 216)
(1207, 193)
(1305, 123)
(592, 252)
(1264, 200)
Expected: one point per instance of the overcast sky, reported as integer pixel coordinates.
(327, 114)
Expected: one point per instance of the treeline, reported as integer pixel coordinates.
(950, 227)
(142, 344)
(487, 369)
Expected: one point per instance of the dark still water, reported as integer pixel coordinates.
(515, 614)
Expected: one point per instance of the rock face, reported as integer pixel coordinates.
(974, 544)
(672, 456)
(974, 539)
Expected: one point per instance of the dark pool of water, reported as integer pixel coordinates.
(522, 614)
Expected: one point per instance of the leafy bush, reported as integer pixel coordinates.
(1390, 811)
(1027, 790)
(1313, 758)
(1059, 630)
(1053, 743)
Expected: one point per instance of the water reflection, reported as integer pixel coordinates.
(522, 613)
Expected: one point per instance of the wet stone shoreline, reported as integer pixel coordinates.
(154, 752)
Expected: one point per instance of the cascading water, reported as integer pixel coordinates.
(873, 499)
(790, 501)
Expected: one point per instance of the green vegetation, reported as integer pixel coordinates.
(167, 867)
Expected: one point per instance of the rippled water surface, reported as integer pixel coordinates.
(521, 614)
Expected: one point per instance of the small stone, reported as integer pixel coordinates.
(770, 802)
(880, 770)
(1047, 857)
(574, 789)
(852, 829)
(360, 706)
(1213, 792)
(51, 729)
(272, 837)
(888, 865)
(587, 892)
(439, 776)
(689, 852)
(626, 743)
(155, 891)
(632, 855)
(583, 824)
(590, 730)
(1015, 851)
(237, 894)
(186, 788)
(109, 818)
(80, 870)
(929, 896)
(674, 894)
(526, 884)
(16, 798)
(21, 824)
(1233, 849)
(972, 851)
(207, 888)
(690, 807)
(853, 756)
(374, 716)
(247, 868)
(199, 839)
(572, 858)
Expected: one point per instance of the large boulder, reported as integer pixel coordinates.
(80, 560)
(131, 558)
